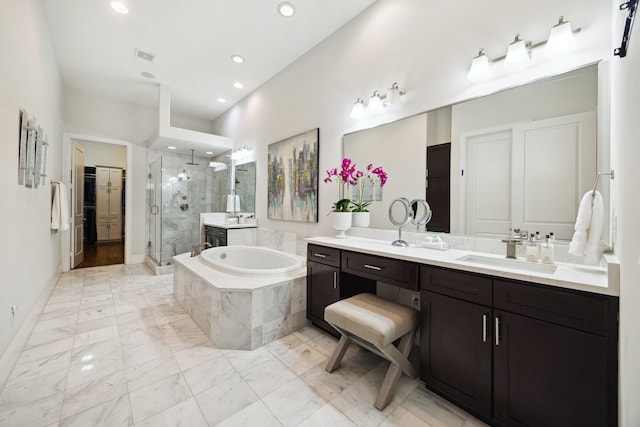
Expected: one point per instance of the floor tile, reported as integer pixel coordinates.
(328, 416)
(294, 402)
(256, 414)
(186, 413)
(155, 398)
(244, 360)
(302, 358)
(268, 376)
(226, 399)
(187, 358)
(150, 372)
(432, 410)
(113, 413)
(208, 374)
(88, 395)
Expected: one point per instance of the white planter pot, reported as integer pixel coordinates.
(341, 221)
(361, 219)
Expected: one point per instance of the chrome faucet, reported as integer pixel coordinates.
(198, 248)
(518, 237)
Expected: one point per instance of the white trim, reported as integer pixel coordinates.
(15, 348)
(68, 138)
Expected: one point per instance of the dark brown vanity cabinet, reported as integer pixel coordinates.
(323, 283)
(519, 354)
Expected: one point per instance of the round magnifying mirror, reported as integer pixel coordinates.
(400, 212)
(421, 212)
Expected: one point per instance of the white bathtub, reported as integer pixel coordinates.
(251, 260)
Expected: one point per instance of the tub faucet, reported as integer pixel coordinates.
(198, 248)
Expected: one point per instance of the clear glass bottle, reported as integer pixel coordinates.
(532, 249)
(546, 252)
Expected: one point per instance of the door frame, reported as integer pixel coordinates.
(67, 153)
(77, 204)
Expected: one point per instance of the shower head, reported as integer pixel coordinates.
(192, 163)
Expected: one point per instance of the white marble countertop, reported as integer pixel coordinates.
(571, 276)
(228, 225)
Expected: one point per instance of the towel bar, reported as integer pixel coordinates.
(593, 193)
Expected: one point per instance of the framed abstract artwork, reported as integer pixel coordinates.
(293, 178)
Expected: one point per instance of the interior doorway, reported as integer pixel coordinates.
(98, 186)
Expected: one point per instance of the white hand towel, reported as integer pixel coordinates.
(60, 208)
(588, 229)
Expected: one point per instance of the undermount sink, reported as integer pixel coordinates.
(510, 263)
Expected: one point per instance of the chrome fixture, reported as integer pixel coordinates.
(517, 238)
(377, 102)
(561, 40)
(198, 248)
(595, 185)
(192, 163)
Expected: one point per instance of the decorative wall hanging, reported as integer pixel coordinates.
(293, 178)
(32, 152)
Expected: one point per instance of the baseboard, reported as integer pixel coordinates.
(10, 356)
(137, 258)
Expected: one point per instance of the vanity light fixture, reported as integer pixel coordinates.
(393, 95)
(171, 147)
(375, 102)
(479, 67)
(561, 39)
(357, 112)
(517, 54)
(119, 7)
(286, 9)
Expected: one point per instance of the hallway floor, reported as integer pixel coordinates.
(100, 254)
(113, 348)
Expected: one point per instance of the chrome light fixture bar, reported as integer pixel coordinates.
(561, 40)
(377, 102)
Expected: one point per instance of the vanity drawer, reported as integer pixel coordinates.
(465, 286)
(387, 270)
(324, 255)
(574, 309)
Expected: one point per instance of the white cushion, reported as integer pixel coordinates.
(372, 318)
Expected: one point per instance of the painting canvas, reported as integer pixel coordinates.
(293, 178)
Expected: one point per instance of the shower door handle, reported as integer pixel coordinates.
(155, 209)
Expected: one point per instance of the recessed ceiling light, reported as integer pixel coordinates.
(286, 9)
(238, 85)
(119, 7)
(209, 152)
(148, 75)
(237, 59)
(171, 147)
(222, 100)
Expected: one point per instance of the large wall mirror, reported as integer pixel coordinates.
(230, 177)
(519, 158)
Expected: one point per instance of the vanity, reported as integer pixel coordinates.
(511, 343)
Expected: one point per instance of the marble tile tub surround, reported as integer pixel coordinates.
(152, 366)
(237, 312)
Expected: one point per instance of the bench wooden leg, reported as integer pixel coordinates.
(399, 363)
(338, 353)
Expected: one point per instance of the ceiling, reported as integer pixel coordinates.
(193, 41)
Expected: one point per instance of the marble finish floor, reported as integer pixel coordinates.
(112, 347)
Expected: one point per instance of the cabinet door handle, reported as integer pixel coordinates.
(320, 255)
(335, 280)
(497, 330)
(484, 328)
(372, 267)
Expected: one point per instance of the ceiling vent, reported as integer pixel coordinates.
(144, 55)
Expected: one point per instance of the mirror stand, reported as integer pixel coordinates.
(400, 214)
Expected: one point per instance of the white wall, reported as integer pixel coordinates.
(101, 154)
(30, 252)
(625, 142)
(426, 50)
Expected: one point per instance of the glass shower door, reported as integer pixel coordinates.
(154, 198)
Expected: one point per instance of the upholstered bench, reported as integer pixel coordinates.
(375, 324)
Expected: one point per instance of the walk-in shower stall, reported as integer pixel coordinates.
(178, 191)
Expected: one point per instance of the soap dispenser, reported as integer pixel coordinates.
(547, 251)
(532, 249)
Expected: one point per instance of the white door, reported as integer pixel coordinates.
(488, 183)
(557, 163)
(78, 205)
